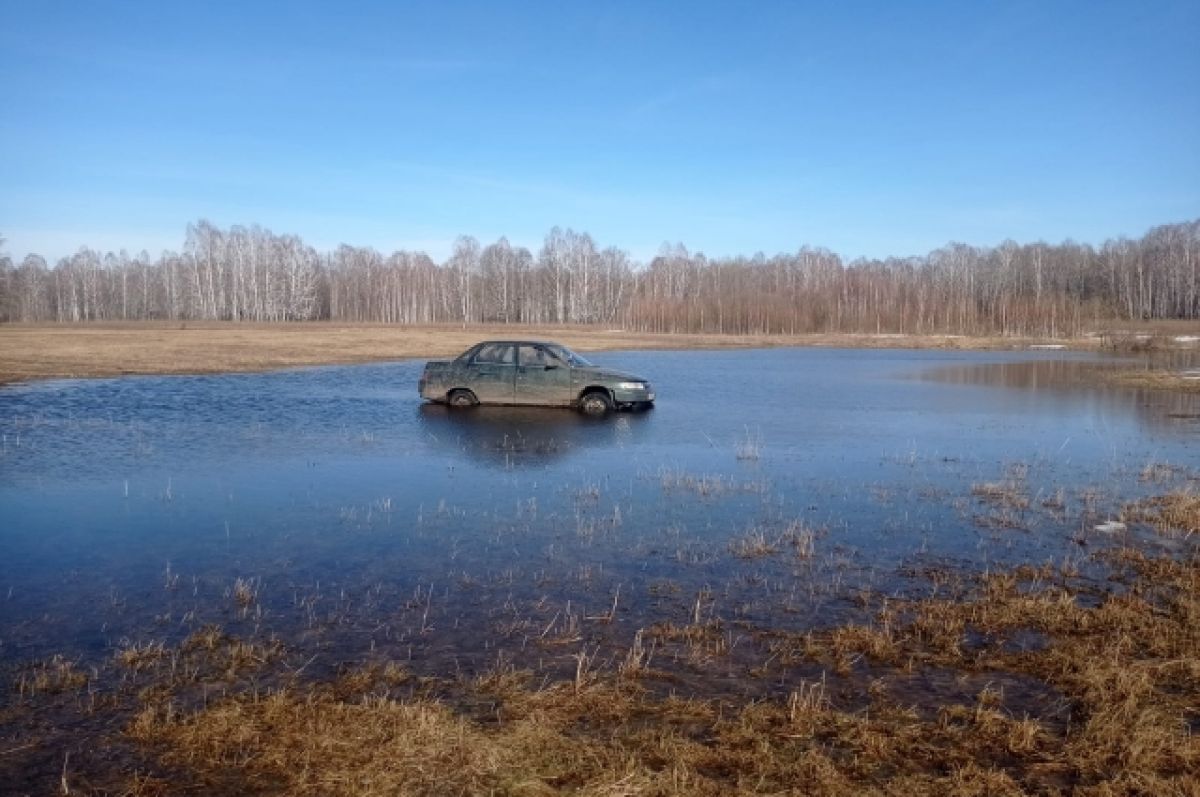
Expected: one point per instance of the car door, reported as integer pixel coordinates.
(542, 378)
(493, 373)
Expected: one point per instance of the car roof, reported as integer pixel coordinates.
(521, 342)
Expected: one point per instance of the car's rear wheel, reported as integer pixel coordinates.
(596, 403)
(462, 398)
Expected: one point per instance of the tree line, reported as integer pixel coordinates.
(251, 274)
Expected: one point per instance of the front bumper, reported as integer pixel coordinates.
(643, 395)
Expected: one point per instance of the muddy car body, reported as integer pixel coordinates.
(531, 372)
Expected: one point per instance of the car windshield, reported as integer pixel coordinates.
(568, 356)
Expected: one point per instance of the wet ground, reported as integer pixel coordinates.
(330, 510)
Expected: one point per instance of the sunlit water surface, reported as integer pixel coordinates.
(369, 524)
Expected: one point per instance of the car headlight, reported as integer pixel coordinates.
(631, 385)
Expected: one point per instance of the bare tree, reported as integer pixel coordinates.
(252, 274)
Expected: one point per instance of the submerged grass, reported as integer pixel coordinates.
(1178, 381)
(1065, 683)
(52, 676)
(1120, 672)
(1127, 668)
(1175, 512)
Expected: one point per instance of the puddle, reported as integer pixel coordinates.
(131, 506)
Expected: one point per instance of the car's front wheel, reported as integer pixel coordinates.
(595, 404)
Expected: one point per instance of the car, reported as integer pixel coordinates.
(531, 372)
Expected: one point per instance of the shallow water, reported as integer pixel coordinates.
(369, 523)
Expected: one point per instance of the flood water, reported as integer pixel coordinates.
(365, 523)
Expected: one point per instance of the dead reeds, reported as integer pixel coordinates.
(1177, 381)
(1174, 513)
(1060, 684)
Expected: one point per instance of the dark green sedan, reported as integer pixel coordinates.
(531, 372)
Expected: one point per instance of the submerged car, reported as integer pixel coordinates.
(530, 372)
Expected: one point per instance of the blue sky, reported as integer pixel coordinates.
(870, 128)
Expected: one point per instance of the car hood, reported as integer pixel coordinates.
(610, 374)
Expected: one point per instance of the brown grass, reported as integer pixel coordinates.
(1157, 380)
(1120, 674)
(52, 676)
(35, 351)
(1127, 666)
(1176, 512)
(753, 545)
(604, 739)
(1110, 669)
(1006, 500)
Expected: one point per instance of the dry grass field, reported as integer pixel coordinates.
(38, 351)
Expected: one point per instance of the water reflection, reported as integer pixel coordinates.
(1082, 384)
(1056, 374)
(512, 436)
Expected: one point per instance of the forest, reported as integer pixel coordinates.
(247, 273)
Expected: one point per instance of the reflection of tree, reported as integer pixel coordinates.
(506, 436)
(1065, 379)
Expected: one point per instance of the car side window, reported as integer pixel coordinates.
(495, 354)
(535, 356)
